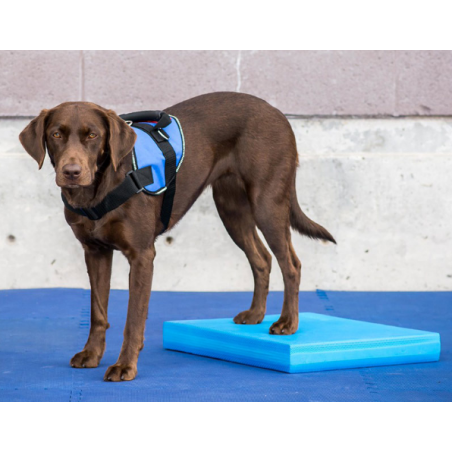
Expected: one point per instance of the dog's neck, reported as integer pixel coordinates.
(106, 179)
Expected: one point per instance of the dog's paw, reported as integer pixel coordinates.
(249, 317)
(120, 372)
(285, 326)
(86, 358)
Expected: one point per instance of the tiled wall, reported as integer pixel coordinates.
(297, 82)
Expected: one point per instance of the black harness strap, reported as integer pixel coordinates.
(136, 180)
(161, 117)
(169, 154)
(133, 183)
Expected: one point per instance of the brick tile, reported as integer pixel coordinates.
(424, 82)
(321, 82)
(152, 80)
(33, 80)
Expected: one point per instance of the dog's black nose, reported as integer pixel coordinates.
(72, 171)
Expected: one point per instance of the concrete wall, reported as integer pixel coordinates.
(381, 185)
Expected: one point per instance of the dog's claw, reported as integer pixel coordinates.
(249, 318)
(120, 372)
(85, 359)
(284, 326)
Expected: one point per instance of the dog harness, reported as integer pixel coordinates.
(156, 158)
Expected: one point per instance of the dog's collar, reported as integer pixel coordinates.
(134, 183)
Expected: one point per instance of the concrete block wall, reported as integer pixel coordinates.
(379, 182)
(365, 83)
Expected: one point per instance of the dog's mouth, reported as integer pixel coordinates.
(74, 182)
(73, 185)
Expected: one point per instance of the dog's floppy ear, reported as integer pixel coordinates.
(33, 138)
(121, 138)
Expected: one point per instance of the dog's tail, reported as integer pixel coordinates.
(304, 225)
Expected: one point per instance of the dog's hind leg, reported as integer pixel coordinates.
(272, 214)
(235, 211)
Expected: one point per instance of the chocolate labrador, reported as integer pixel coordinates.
(237, 143)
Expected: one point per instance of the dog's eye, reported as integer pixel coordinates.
(92, 135)
(56, 135)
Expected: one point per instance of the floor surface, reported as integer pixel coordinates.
(40, 330)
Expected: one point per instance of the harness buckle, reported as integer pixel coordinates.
(132, 176)
(163, 134)
(159, 135)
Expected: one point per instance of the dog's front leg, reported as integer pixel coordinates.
(140, 279)
(98, 263)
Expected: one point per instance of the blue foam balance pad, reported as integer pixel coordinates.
(322, 342)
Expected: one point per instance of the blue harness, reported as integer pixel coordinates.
(157, 156)
(148, 153)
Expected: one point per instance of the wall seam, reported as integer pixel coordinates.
(237, 67)
(82, 75)
(395, 107)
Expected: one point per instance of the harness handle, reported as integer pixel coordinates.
(162, 118)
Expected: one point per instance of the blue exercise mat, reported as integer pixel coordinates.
(321, 343)
(41, 329)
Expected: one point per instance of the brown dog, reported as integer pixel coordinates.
(237, 143)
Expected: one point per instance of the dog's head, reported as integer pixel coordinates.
(79, 137)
